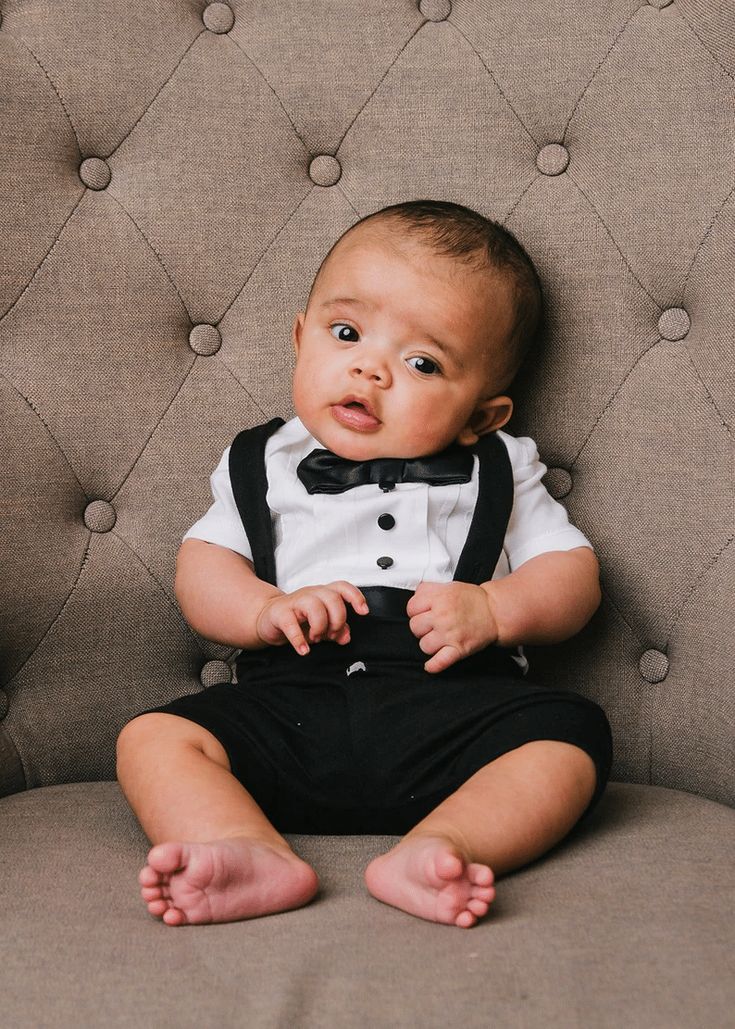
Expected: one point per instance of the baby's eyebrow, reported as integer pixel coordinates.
(345, 300)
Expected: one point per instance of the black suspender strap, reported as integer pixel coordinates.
(249, 487)
(492, 512)
(487, 529)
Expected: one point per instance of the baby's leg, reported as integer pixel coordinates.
(509, 813)
(217, 857)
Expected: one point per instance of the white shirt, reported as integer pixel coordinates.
(322, 537)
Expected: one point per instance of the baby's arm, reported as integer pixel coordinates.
(545, 600)
(222, 598)
(219, 593)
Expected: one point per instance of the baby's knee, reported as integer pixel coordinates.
(137, 734)
(156, 731)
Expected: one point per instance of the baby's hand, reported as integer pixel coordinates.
(451, 620)
(321, 609)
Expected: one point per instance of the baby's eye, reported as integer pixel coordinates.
(424, 365)
(343, 331)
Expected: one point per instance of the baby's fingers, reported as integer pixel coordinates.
(335, 617)
(421, 624)
(316, 611)
(442, 659)
(289, 625)
(342, 636)
(351, 594)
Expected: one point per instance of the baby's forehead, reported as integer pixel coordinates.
(369, 237)
(368, 243)
(469, 274)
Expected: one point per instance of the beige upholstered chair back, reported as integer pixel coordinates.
(172, 174)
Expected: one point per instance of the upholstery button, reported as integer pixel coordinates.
(99, 516)
(386, 521)
(435, 10)
(552, 159)
(95, 173)
(558, 482)
(205, 339)
(214, 672)
(385, 562)
(674, 323)
(654, 665)
(325, 170)
(4, 704)
(218, 18)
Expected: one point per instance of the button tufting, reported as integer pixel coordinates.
(384, 562)
(95, 173)
(386, 521)
(205, 339)
(99, 516)
(435, 10)
(654, 666)
(4, 704)
(214, 672)
(552, 159)
(674, 323)
(218, 18)
(558, 482)
(325, 170)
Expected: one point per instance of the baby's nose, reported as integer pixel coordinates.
(373, 369)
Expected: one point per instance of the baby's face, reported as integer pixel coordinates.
(395, 352)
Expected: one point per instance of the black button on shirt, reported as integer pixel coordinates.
(386, 521)
(385, 562)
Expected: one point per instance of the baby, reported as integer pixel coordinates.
(380, 559)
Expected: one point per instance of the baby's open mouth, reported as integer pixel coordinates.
(355, 414)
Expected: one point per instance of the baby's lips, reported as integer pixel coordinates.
(357, 418)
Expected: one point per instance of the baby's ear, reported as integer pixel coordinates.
(296, 331)
(489, 415)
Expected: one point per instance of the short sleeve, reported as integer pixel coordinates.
(538, 523)
(222, 523)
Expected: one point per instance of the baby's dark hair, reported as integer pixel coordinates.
(456, 231)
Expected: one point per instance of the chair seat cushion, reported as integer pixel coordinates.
(629, 921)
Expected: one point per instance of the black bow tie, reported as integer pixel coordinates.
(321, 471)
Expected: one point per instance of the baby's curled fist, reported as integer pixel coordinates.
(321, 609)
(451, 620)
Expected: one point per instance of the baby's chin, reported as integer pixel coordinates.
(365, 446)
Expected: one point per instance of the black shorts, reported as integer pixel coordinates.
(359, 739)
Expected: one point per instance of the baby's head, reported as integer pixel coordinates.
(418, 319)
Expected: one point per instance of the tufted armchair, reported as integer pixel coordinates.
(171, 175)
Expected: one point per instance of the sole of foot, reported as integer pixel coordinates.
(427, 876)
(223, 881)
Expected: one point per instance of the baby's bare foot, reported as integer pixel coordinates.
(223, 881)
(428, 876)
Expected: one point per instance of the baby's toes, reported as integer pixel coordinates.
(158, 907)
(148, 876)
(151, 892)
(174, 916)
(477, 907)
(480, 875)
(486, 893)
(465, 920)
(448, 866)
